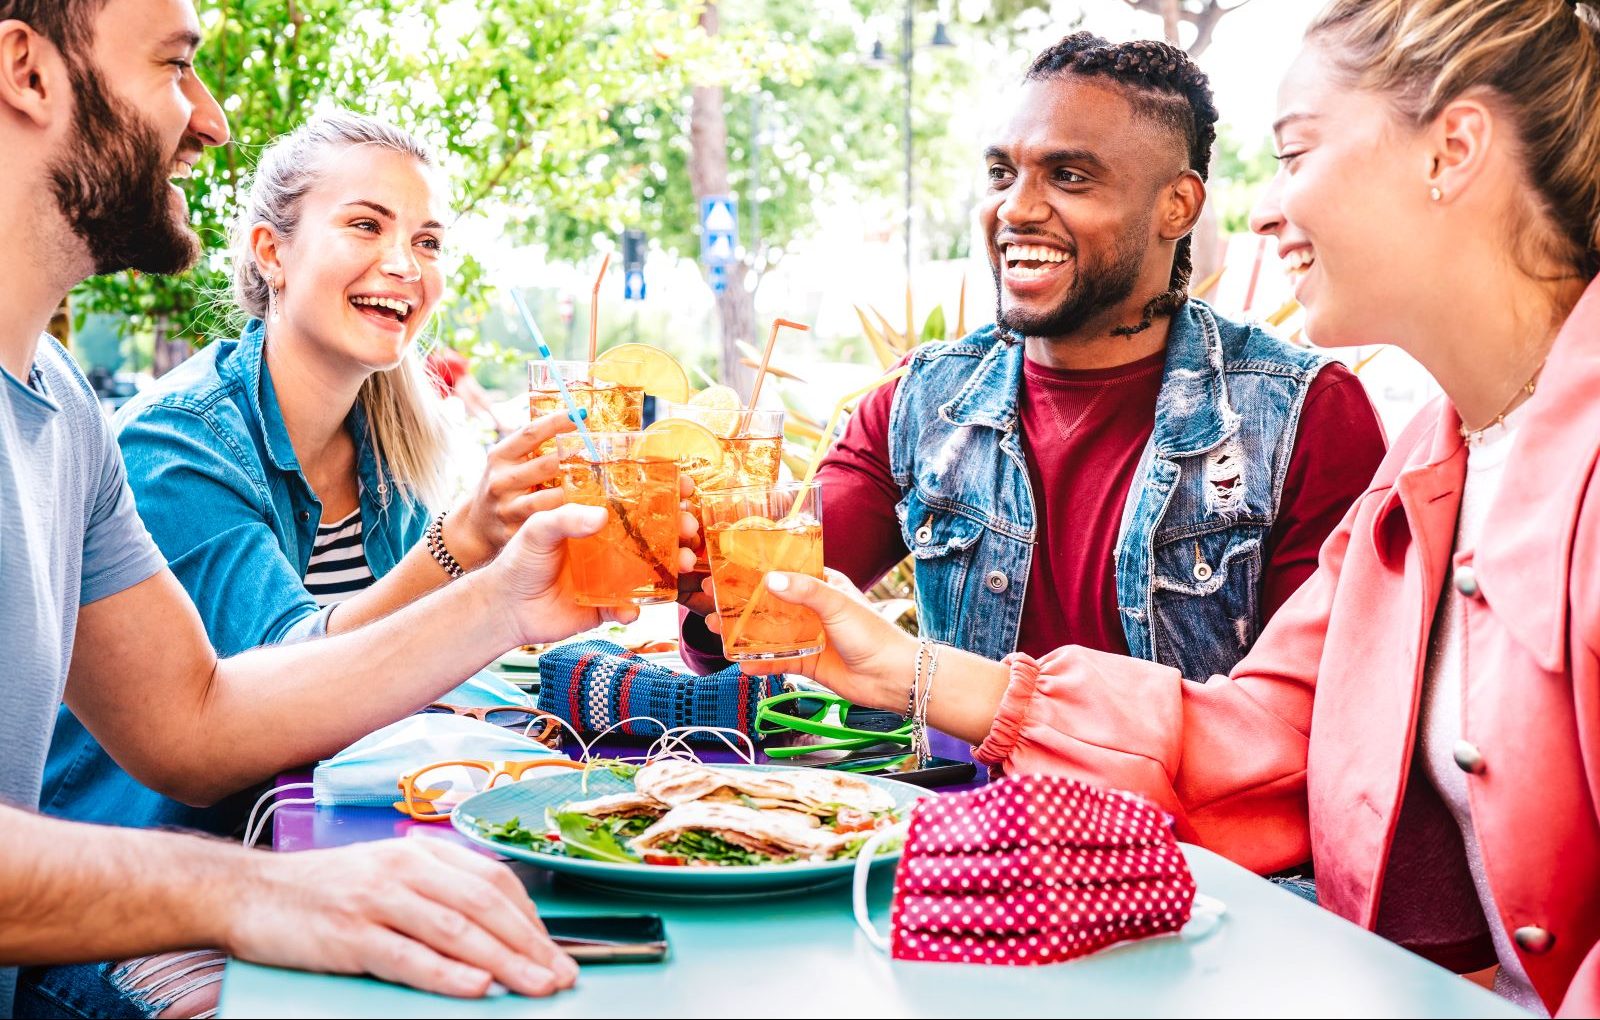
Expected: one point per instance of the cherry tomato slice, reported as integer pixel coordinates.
(664, 860)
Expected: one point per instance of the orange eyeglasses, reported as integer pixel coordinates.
(531, 722)
(432, 792)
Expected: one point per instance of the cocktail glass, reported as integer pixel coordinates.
(612, 407)
(633, 559)
(749, 532)
(752, 453)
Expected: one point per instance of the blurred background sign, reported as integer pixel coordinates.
(719, 237)
(633, 252)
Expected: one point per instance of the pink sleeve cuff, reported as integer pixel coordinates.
(1013, 713)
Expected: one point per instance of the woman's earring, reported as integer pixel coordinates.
(1435, 194)
(274, 291)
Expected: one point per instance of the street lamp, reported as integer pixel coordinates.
(941, 40)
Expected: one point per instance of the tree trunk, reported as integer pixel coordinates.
(1171, 14)
(170, 352)
(708, 175)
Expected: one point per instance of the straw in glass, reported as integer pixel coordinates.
(594, 307)
(576, 413)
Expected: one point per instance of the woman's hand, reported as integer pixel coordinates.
(868, 660)
(530, 580)
(508, 493)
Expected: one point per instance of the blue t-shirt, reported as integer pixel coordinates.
(69, 536)
(222, 492)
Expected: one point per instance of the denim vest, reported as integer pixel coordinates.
(1189, 556)
(219, 487)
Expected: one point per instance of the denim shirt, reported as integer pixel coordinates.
(1189, 556)
(220, 489)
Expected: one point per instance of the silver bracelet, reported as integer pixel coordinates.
(911, 701)
(922, 694)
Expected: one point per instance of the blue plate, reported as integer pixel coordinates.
(528, 800)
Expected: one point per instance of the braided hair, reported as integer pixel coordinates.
(1163, 85)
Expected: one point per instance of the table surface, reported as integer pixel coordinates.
(802, 955)
(1273, 953)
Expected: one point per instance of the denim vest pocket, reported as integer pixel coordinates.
(943, 544)
(1205, 604)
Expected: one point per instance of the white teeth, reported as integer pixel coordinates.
(181, 170)
(394, 305)
(1034, 253)
(1299, 260)
(1027, 273)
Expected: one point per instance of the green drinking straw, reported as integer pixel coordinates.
(576, 413)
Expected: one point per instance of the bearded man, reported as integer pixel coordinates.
(1111, 463)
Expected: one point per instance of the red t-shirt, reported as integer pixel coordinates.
(1084, 432)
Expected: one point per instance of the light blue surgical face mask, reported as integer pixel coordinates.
(488, 690)
(367, 773)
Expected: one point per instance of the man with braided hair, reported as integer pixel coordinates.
(1111, 463)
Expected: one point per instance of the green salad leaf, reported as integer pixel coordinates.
(517, 834)
(593, 838)
(703, 846)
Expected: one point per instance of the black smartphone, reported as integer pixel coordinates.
(935, 772)
(609, 938)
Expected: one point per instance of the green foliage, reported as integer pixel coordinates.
(1239, 169)
(516, 96)
(810, 121)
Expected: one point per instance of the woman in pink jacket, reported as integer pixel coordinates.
(1440, 190)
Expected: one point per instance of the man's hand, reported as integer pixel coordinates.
(531, 583)
(422, 912)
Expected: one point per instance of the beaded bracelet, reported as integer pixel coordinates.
(434, 536)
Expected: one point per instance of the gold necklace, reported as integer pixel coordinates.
(1473, 437)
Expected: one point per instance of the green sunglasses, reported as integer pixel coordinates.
(842, 725)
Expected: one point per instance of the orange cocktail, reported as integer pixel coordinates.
(748, 533)
(633, 559)
(750, 443)
(612, 406)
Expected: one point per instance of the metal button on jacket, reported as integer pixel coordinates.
(1468, 758)
(997, 581)
(1202, 571)
(1466, 580)
(1533, 939)
(924, 534)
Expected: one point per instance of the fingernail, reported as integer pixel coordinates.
(777, 582)
(537, 976)
(495, 989)
(567, 969)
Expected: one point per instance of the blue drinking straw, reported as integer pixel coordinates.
(576, 413)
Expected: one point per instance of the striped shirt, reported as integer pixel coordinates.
(338, 567)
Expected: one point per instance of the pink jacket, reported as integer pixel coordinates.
(1256, 769)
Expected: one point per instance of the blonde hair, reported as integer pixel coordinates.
(1540, 58)
(408, 436)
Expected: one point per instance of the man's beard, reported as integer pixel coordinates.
(111, 186)
(1096, 285)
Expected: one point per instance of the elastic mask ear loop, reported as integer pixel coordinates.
(859, 886)
(1204, 917)
(675, 743)
(254, 829)
(590, 762)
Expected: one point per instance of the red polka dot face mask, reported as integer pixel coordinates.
(1035, 869)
